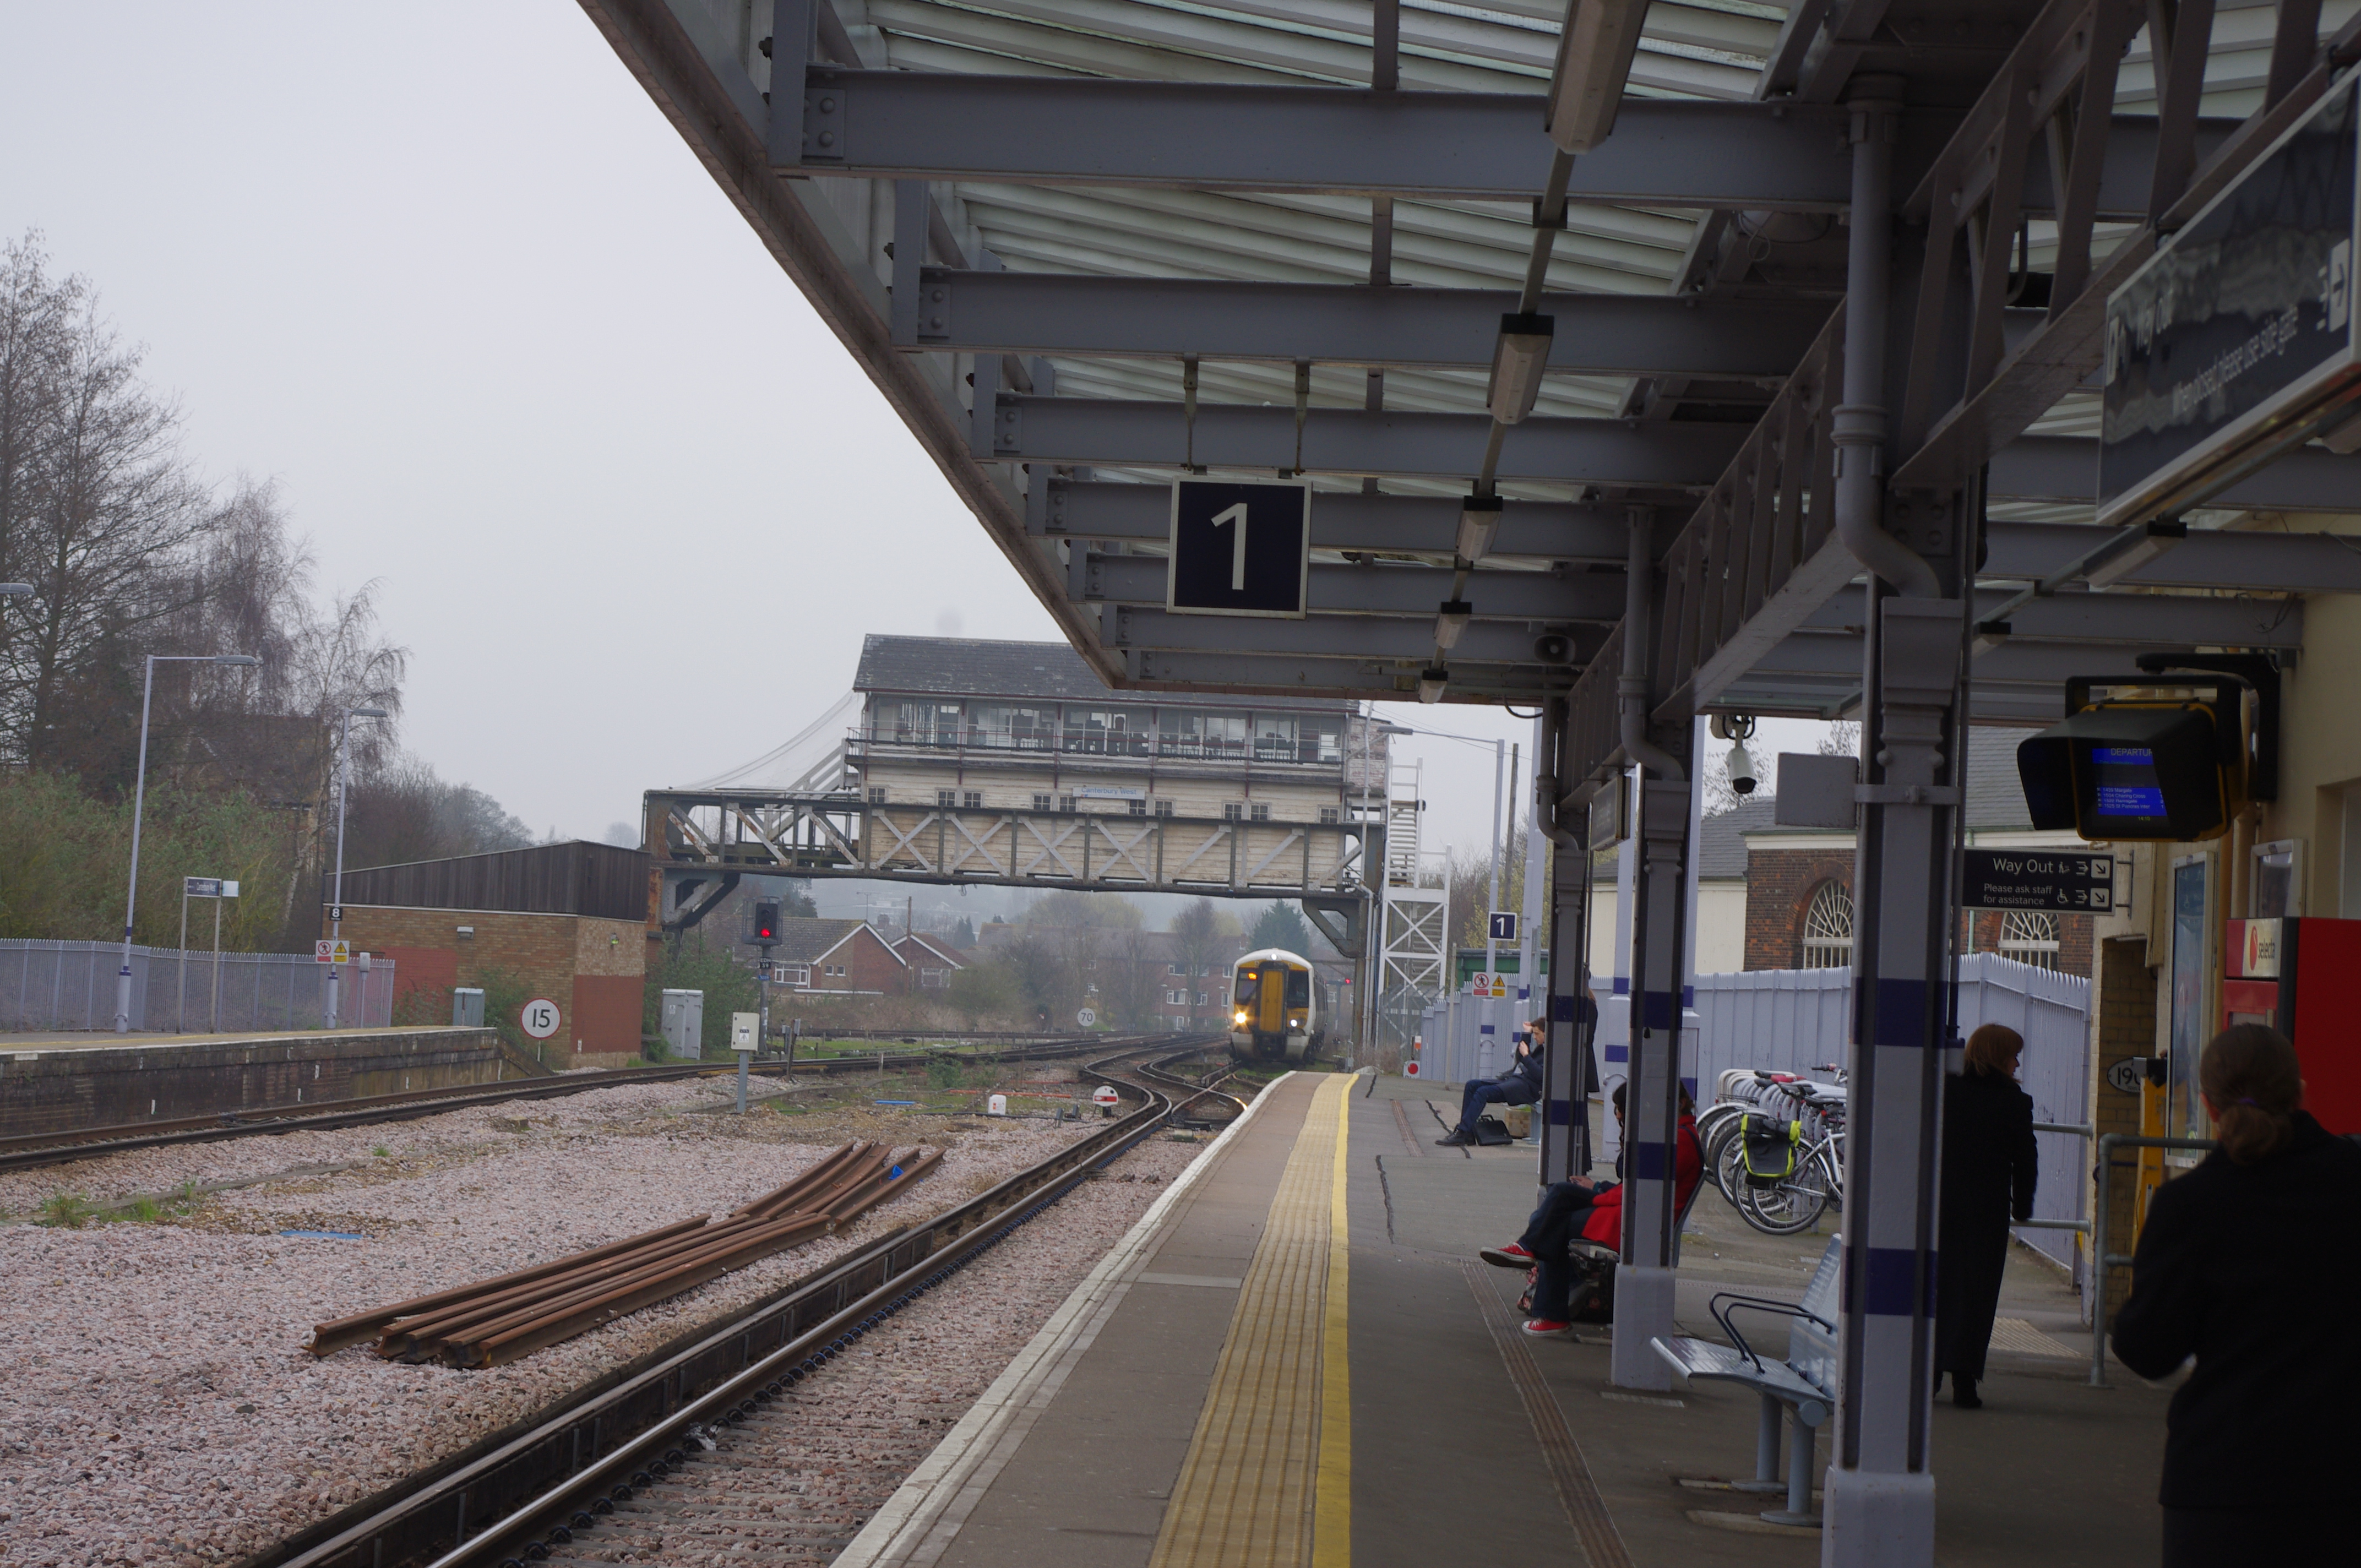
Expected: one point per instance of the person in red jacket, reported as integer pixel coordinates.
(1593, 1212)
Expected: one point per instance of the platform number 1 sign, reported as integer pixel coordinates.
(1239, 548)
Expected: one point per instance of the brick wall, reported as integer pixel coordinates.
(1779, 887)
(2125, 998)
(1982, 928)
(594, 970)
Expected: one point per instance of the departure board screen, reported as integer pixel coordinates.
(2125, 782)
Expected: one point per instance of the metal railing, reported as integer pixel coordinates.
(2102, 1259)
(71, 986)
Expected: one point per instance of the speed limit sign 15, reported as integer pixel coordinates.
(540, 1018)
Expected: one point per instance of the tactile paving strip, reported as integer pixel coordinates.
(1246, 1492)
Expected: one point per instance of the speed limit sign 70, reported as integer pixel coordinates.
(540, 1018)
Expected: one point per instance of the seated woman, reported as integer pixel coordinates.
(1592, 1213)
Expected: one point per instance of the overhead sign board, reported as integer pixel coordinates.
(1239, 547)
(1504, 925)
(2040, 879)
(2237, 339)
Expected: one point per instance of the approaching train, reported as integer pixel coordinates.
(1279, 1007)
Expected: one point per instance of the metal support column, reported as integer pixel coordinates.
(1660, 935)
(1879, 1485)
(1566, 1100)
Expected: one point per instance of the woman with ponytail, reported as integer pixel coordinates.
(2251, 1264)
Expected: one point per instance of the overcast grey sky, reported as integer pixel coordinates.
(442, 271)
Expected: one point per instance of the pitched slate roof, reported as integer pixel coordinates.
(965, 666)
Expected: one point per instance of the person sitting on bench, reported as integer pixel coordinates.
(1590, 1211)
(1520, 1085)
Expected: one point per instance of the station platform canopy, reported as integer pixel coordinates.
(1086, 248)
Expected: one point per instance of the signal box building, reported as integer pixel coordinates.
(1091, 785)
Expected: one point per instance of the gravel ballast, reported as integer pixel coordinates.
(161, 1408)
(796, 1482)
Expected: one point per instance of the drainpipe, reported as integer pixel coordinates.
(1859, 427)
(1632, 689)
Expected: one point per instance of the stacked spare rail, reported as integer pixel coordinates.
(493, 1321)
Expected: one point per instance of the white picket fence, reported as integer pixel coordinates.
(70, 985)
(1799, 1021)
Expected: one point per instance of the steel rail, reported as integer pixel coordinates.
(27, 1151)
(511, 1496)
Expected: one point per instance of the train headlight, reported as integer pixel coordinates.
(1241, 1018)
(1295, 1023)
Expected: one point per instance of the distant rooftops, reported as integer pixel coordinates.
(965, 666)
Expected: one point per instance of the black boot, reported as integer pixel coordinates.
(1963, 1393)
(1455, 1139)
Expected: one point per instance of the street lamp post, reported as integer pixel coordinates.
(337, 908)
(139, 807)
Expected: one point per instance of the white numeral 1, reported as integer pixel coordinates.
(1236, 514)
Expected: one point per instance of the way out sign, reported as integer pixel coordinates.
(1239, 548)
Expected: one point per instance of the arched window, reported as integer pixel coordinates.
(1828, 927)
(2030, 937)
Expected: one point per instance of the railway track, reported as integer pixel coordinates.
(580, 1480)
(31, 1150)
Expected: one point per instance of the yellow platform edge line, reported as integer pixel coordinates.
(1332, 1524)
(1250, 1489)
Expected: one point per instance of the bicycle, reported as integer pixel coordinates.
(1793, 1201)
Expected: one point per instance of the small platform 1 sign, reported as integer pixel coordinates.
(2040, 879)
(1504, 925)
(1239, 548)
(540, 1018)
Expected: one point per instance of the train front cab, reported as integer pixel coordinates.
(1272, 1008)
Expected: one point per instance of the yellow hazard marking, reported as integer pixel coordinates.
(1332, 1529)
(1268, 1482)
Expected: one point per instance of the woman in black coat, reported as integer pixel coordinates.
(2252, 1264)
(1988, 1174)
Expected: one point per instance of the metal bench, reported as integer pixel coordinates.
(1804, 1384)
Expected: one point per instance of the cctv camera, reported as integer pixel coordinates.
(1741, 770)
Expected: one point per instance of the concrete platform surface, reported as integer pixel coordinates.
(1295, 1358)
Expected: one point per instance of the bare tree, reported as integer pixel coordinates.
(99, 513)
(1842, 740)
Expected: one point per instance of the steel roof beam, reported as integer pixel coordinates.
(1106, 431)
(1350, 141)
(2279, 563)
(1296, 676)
(1385, 327)
(2066, 468)
(1540, 530)
(1388, 589)
(2185, 620)
(1403, 639)
(1671, 455)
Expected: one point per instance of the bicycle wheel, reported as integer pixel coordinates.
(1727, 1160)
(1794, 1204)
